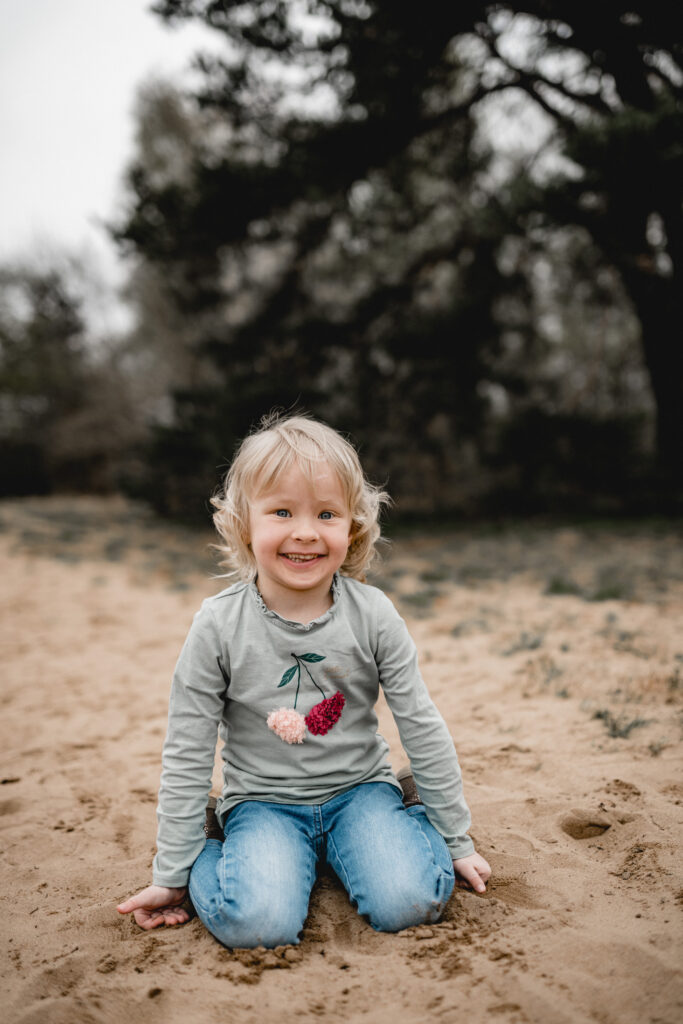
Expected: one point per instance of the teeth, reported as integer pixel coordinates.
(301, 558)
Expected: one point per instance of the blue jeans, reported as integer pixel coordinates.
(253, 889)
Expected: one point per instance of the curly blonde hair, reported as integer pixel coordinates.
(278, 443)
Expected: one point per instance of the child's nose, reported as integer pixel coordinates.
(305, 528)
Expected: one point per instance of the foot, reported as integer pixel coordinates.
(407, 783)
(212, 829)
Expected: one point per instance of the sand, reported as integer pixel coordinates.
(556, 657)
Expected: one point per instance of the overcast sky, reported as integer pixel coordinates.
(69, 70)
(68, 75)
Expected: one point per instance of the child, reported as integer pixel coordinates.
(288, 664)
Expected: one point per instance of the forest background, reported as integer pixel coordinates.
(453, 231)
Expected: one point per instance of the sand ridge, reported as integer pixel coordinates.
(556, 657)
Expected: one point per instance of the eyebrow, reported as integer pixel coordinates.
(274, 498)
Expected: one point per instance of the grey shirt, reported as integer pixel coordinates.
(241, 661)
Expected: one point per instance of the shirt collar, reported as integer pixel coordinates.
(302, 627)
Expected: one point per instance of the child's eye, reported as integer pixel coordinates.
(327, 515)
(282, 513)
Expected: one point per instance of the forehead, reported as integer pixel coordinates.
(316, 477)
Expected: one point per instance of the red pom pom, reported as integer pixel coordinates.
(323, 716)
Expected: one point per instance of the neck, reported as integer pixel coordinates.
(297, 606)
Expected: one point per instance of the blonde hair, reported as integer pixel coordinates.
(277, 444)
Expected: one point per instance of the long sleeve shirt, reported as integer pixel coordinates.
(241, 661)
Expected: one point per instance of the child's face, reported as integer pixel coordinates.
(299, 532)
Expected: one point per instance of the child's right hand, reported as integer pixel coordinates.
(156, 905)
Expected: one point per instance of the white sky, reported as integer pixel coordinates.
(68, 75)
(69, 70)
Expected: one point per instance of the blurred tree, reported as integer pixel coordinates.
(328, 248)
(41, 372)
(610, 77)
(65, 417)
(331, 227)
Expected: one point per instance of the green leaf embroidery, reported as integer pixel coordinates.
(301, 659)
(287, 677)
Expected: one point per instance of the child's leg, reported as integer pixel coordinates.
(393, 863)
(253, 889)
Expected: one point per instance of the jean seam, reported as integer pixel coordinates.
(445, 878)
(207, 908)
(346, 881)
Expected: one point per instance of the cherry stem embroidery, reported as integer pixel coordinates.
(288, 675)
(302, 661)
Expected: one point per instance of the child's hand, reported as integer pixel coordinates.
(472, 872)
(156, 905)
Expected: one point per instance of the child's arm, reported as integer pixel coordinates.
(427, 742)
(196, 706)
(156, 905)
(195, 709)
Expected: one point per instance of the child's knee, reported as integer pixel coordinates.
(395, 918)
(405, 906)
(245, 928)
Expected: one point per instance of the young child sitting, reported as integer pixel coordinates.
(287, 664)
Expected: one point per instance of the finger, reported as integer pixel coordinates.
(462, 883)
(128, 905)
(471, 878)
(477, 882)
(146, 920)
(178, 917)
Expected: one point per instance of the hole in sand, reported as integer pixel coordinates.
(580, 825)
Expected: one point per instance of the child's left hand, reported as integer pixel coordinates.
(472, 872)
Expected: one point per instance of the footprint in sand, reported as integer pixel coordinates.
(53, 983)
(624, 790)
(584, 824)
(513, 892)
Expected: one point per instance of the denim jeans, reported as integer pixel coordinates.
(253, 889)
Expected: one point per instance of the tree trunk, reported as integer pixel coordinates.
(657, 301)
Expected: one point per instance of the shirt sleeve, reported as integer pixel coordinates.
(424, 734)
(195, 709)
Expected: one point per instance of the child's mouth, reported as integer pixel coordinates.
(301, 558)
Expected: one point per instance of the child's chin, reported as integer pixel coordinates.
(303, 566)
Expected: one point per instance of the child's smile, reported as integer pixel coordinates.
(301, 558)
(299, 532)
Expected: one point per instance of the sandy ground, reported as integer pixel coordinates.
(556, 657)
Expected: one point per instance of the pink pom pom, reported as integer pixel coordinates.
(323, 716)
(289, 725)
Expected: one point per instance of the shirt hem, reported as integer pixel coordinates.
(229, 803)
(172, 881)
(463, 849)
